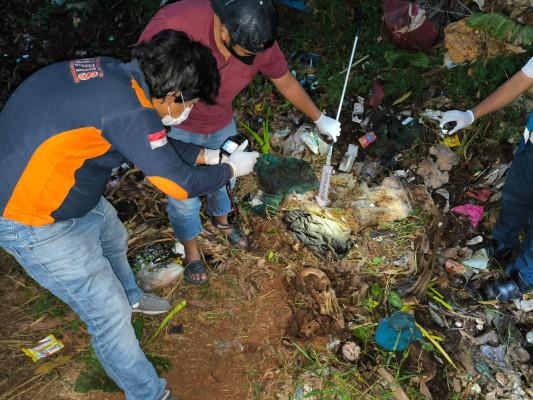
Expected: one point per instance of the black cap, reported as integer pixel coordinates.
(252, 24)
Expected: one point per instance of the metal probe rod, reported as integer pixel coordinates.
(347, 75)
(327, 169)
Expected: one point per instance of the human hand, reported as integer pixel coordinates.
(242, 162)
(212, 157)
(462, 119)
(329, 127)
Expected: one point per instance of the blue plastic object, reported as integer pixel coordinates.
(396, 332)
(296, 4)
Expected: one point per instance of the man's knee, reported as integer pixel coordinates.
(181, 208)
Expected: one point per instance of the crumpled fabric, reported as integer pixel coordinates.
(283, 175)
(408, 25)
(323, 235)
(473, 212)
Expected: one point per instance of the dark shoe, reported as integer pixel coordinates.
(235, 237)
(499, 252)
(505, 290)
(195, 267)
(150, 304)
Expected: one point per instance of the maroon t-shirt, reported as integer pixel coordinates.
(195, 17)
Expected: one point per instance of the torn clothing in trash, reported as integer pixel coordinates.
(323, 235)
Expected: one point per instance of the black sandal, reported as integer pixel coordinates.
(236, 237)
(195, 267)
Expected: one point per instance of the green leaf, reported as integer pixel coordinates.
(371, 304)
(377, 261)
(376, 290)
(419, 60)
(312, 393)
(363, 333)
(168, 318)
(428, 347)
(391, 57)
(395, 300)
(502, 28)
(138, 327)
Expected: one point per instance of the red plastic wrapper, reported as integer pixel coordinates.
(481, 194)
(367, 139)
(453, 267)
(408, 25)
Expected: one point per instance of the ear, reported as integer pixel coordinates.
(168, 100)
(224, 33)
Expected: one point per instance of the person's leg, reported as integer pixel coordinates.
(184, 216)
(524, 260)
(67, 259)
(515, 216)
(218, 202)
(114, 239)
(517, 198)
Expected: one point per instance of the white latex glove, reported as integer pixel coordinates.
(212, 157)
(461, 118)
(242, 162)
(329, 127)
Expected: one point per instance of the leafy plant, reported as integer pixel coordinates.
(264, 140)
(502, 28)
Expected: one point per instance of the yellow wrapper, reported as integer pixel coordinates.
(46, 347)
(451, 141)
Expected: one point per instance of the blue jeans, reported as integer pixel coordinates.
(83, 262)
(517, 209)
(184, 215)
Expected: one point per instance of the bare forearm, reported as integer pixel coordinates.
(291, 89)
(504, 95)
(200, 160)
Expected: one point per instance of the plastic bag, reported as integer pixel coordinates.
(153, 277)
(408, 25)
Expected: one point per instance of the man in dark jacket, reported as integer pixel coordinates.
(61, 133)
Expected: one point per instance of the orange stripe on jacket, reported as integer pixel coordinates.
(49, 175)
(140, 94)
(169, 187)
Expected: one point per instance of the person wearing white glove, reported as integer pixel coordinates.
(462, 119)
(500, 98)
(329, 127)
(213, 157)
(242, 162)
(243, 39)
(517, 195)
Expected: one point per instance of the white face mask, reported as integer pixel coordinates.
(169, 120)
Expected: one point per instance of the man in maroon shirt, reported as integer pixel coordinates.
(242, 37)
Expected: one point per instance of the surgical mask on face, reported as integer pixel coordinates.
(248, 60)
(169, 120)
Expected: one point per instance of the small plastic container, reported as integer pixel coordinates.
(349, 158)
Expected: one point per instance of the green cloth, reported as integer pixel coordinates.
(279, 176)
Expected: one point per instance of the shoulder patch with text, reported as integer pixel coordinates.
(158, 139)
(85, 69)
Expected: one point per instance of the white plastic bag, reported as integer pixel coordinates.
(153, 277)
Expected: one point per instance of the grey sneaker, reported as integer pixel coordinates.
(150, 304)
(168, 396)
